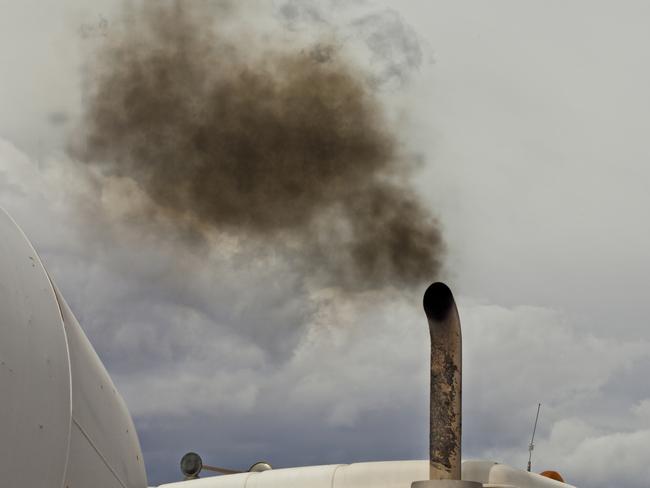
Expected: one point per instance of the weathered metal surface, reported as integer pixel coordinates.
(446, 387)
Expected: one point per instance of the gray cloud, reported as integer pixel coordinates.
(199, 374)
(536, 150)
(395, 47)
(384, 43)
(295, 12)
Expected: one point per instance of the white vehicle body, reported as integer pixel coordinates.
(382, 474)
(64, 425)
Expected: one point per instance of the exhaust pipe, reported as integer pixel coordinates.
(445, 391)
(446, 388)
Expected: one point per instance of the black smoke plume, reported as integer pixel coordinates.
(270, 144)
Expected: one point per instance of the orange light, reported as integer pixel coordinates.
(554, 475)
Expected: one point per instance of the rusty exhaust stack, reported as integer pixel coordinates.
(445, 394)
(446, 387)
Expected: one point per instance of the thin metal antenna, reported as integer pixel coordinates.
(531, 446)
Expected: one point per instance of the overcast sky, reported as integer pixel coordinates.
(531, 122)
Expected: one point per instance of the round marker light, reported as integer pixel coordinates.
(554, 475)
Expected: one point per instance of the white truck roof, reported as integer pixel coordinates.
(383, 474)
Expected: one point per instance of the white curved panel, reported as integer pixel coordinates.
(62, 422)
(387, 474)
(477, 470)
(238, 480)
(382, 474)
(87, 468)
(34, 368)
(100, 415)
(311, 476)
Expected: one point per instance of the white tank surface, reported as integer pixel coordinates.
(62, 422)
(383, 474)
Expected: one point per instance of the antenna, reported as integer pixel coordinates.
(531, 446)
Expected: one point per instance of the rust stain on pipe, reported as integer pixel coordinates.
(446, 385)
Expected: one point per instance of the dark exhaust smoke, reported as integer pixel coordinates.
(275, 145)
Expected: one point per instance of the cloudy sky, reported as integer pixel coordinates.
(530, 124)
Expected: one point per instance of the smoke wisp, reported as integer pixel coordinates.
(276, 145)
